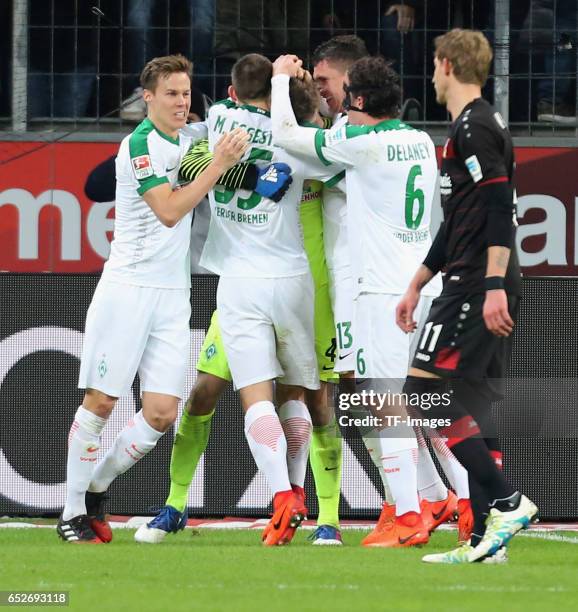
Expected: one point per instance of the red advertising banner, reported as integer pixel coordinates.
(47, 224)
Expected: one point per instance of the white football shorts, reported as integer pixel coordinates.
(382, 349)
(132, 329)
(341, 293)
(267, 329)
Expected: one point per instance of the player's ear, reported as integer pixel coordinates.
(447, 66)
(232, 93)
(147, 95)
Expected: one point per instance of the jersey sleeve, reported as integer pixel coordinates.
(343, 144)
(287, 133)
(146, 163)
(479, 146)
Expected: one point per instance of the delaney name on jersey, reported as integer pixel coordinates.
(408, 152)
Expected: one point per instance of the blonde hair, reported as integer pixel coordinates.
(163, 67)
(469, 52)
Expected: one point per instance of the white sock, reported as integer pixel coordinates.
(268, 444)
(398, 448)
(429, 483)
(136, 440)
(297, 427)
(372, 445)
(83, 444)
(453, 469)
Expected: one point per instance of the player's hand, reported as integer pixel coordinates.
(273, 181)
(405, 309)
(288, 64)
(405, 17)
(230, 148)
(496, 315)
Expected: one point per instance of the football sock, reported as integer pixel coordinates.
(326, 459)
(452, 468)
(474, 455)
(136, 440)
(398, 448)
(268, 444)
(480, 509)
(190, 443)
(83, 444)
(429, 484)
(296, 423)
(371, 441)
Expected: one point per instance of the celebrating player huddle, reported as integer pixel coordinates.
(292, 297)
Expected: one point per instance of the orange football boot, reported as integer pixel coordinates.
(406, 530)
(290, 531)
(465, 520)
(289, 513)
(387, 516)
(436, 513)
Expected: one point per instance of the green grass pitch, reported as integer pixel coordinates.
(230, 570)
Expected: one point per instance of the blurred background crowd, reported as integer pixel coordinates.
(82, 58)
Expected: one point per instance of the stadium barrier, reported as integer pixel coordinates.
(41, 325)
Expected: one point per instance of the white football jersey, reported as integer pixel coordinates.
(250, 235)
(337, 253)
(145, 252)
(391, 179)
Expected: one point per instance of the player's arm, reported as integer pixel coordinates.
(171, 206)
(484, 159)
(271, 181)
(432, 264)
(287, 133)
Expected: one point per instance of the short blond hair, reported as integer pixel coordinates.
(163, 67)
(469, 52)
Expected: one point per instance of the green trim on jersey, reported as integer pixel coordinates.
(388, 125)
(255, 109)
(149, 183)
(212, 358)
(137, 147)
(319, 144)
(335, 179)
(227, 102)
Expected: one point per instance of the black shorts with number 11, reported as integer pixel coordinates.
(455, 342)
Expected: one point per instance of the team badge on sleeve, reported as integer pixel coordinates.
(475, 169)
(143, 167)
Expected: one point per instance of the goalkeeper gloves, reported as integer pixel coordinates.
(273, 181)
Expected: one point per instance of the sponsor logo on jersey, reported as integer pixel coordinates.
(446, 185)
(422, 357)
(143, 167)
(473, 165)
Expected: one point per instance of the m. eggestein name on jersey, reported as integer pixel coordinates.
(224, 125)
